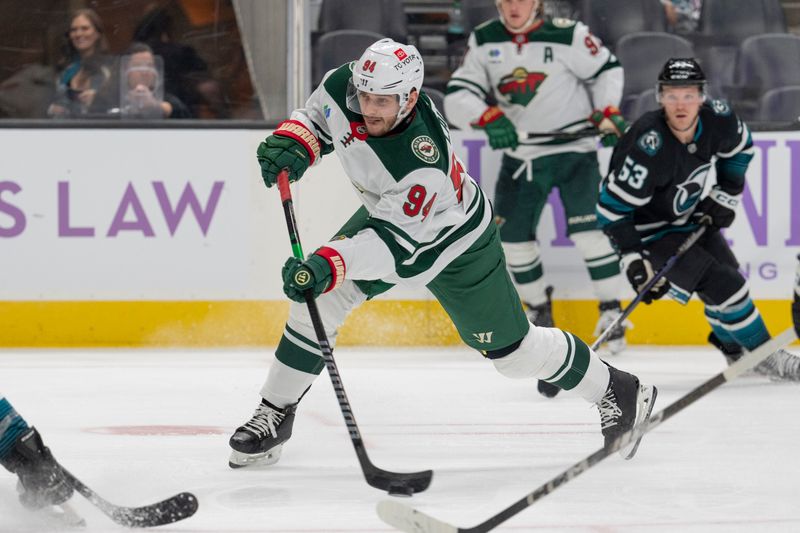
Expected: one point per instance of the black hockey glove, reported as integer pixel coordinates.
(717, 209)
(639, 271)
(41, 481)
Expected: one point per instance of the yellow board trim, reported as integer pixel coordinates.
(260, 323)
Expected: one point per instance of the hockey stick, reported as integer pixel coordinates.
(398, 484)
(682, 249)
(167, 511)
(561, 135)
(408, 519)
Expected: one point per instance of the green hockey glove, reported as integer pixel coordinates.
(610, 123)
(323, 271)
(292, 146)
(499, 129)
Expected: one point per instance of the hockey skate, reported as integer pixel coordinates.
(627, 404)
(780, 366)
(615, 341)
(41, 483)
(260, 440)
(542, 316)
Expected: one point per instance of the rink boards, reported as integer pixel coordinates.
(115, 237)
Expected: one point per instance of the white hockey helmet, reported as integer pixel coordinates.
(387, 68)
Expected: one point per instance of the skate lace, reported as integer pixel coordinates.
(609, 410)
(265, 421)
(784, 364)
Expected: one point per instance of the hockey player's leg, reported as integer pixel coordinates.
(735, 320)
(562, 359)
(22, 452)
(603, 266)
(298, 361)
(525, 265)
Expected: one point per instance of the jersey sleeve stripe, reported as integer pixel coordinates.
(453, 89)
(626, 196)
(606, 217)
(611, 63)
(745, 141)
(608, 200)
(400, 253)
(467, 84)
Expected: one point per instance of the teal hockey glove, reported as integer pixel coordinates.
(499, 129)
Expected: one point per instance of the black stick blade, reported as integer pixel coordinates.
(171, 510)
(399, 484)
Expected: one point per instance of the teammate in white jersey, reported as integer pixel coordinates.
(22, 452)
(424, 222)
(538, 72)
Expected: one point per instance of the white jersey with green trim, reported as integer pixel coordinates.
(548, 79)
(424, 209)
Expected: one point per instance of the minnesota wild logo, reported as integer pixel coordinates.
(425, 149)
(520, 86)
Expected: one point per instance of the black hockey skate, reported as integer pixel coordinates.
(260, 440)
(627, 404)
(41, 481)
(542, 316)
(615, 341)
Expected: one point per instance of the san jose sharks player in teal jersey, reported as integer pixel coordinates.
(653, 197)
(796, 303)
(424, 223)
(22, 452)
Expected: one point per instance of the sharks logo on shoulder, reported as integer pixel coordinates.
(720, 107)
(650, 142)
(689, 191)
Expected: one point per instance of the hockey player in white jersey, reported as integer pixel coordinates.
(538, 72)
(424, 222)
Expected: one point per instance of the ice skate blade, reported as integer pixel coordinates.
(644, 406)
(240, 460)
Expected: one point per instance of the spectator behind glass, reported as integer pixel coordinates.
(142, 93)
(83, 87)
(683, 16)
(186, 74)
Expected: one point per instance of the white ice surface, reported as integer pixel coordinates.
(729, 463)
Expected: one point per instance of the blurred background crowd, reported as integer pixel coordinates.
(200, 59)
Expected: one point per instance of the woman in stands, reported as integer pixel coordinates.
(85, 68)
